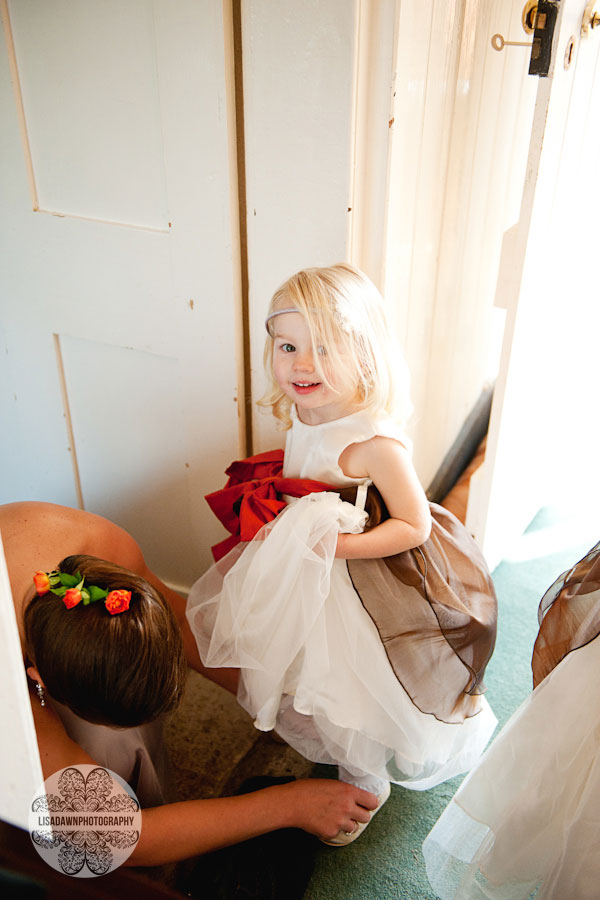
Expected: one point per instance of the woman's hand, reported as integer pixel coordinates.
(324, 807)
(181, 830)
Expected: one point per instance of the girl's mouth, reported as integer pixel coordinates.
(306, 387)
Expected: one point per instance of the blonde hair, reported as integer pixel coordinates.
(345, 315)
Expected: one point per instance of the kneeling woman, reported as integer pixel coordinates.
(103, 670)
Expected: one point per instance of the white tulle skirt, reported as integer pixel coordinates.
(526, 821)
(313, 666)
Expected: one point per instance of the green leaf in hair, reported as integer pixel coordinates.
(70, 581)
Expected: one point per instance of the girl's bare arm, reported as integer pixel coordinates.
(387, 463)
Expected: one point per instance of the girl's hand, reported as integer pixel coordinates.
(324, 807)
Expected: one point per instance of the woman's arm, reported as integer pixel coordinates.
(387, 463)
(181, 830)
(178, 831)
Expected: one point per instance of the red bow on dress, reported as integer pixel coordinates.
(253, 496)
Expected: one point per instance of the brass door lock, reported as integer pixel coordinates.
(591, 19)
(528, 16)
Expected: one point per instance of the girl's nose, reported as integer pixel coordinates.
(304, 361)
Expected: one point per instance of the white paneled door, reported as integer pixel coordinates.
(118, 315)
(544, 434)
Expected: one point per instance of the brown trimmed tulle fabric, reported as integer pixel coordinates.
(436, 612)
(569, 615)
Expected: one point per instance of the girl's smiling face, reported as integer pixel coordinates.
(300, 376)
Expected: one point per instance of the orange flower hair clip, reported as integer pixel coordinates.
(72, 591)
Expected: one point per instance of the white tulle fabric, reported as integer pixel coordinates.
(526, 821)
(284, 610)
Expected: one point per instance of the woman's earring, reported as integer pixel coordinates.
(40, 693)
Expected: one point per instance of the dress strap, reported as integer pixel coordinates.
(361, 495)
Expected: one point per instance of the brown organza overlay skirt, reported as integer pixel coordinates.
(435, 610)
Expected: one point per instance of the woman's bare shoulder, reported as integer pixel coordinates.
(37, 514)
(39, 535)
(84, 531)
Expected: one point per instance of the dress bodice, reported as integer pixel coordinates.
(313, 451)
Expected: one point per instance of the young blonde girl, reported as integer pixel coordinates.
(361, 640)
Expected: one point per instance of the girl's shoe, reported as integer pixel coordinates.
(346, 837)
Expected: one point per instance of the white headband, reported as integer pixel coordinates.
(279, 312)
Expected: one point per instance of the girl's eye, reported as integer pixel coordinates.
(287, 348)
(322, 351)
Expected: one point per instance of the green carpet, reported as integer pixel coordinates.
(387, 862)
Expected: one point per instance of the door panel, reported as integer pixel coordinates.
(121, 479)
(119, 309)
(85, 147)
